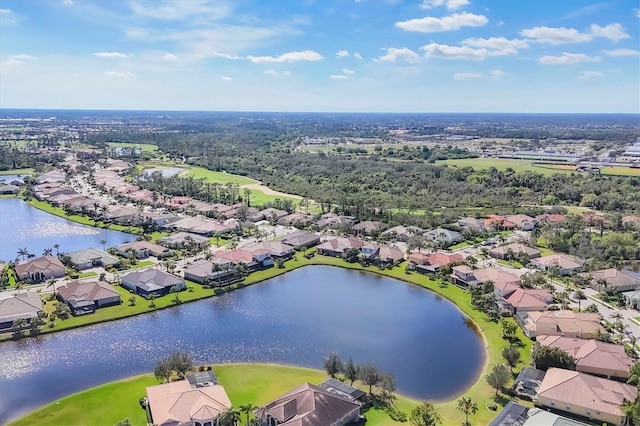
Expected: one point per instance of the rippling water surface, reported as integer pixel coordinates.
(24, 226)
(296, 318)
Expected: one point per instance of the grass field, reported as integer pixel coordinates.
(503, 164)
(620, 171)
(17, 172)
(219, 177)
(145, 147)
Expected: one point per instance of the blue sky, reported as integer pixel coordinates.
(322, 55)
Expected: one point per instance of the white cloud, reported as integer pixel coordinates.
(179, 10)
(614, 32)
(568, 58)
(636, 12)
(112, 55)
(17, 59)
(497, 74)
(586, 75)
(432, 24)
(338, 76)
(550, 35)
(621, 52)
(226, 78)
(307, 55)
(169, 57)
(466, 75)
(23, 56)
(357, 55)
(342, 54)
(118, 74)
(5, 11)
(497, 46)
(347, 71)
(224, 55)
(395, 54)
(443, 51)
(274, 72)
(68, 2)
(451, 4)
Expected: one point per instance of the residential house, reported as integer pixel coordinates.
(510, 251)
(443, 237)
(9, 189)
(522, 221)
(123, 215)
(143, 249)
(528, 382)
(382, 254)
(566, 265)
(91, 258)
(583, 325)
(85, 297)
(616, 281)
(278, 249)
(368, 227)
(402, 234)
(499, 223)
(514, 414)
(631, 222)
(254, 259)
(585, 395)
(300, 239)
(337, 246)
(343, 390)
(432, 262)
(592, 356)
(21, 306)
(183, 403)
(524, 300)
(308, 405)
(299, 220)
(152, 281)
(210, 273)
(183, 239)
(200, 226)
(270, 214)
(552, 219)
(40, 269)
(463, 275)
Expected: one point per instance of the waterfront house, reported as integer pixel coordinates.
(277, 249)
(382, 254)
(566, 265)
(308, 405)
(581, 394)
(21, 306)
(91, 258)
(343, 390)
(523, 300)
(300, 239)
(337, 246)
(204, 272)
(40, 269)
(142, 249)
(152, 281)
(184, 403)
(510, 251)
(592, 356)
(9, 189)
(85, 297)
(466, 276)
(432, 262)
(583, 325)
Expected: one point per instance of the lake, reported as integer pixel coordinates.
(298, 318)
(24, 226)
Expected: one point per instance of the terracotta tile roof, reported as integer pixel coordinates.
(515, 248)
(529, 299)
(87, 291)
(25, 305)
(341, 243)
(42, 264)
(562, 260)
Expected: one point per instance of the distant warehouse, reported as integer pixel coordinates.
(557, 157)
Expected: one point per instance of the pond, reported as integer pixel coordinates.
(429, 346)
(24, 226)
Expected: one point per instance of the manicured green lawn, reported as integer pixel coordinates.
(502, 164)
(145, 147)
(620, 171)
(460, 245)
(511, 263)
(142, 264)
(16, 172)
(87, 274)
(219, 177)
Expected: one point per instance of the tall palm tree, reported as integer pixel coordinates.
(467, 406)
(47, 252)
(246, 409)
(230, 417)
(104, 244)
(24, 253)
(57, 247)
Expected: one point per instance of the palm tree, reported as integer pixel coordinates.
(579, 294)
(57, 247)
(47, 252)
(230, 417)
(24, 253)
(104, 244)
(247, 408)
(467, 406)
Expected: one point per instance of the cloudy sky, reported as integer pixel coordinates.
(321, 55)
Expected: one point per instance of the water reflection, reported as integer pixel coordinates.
(296, 319)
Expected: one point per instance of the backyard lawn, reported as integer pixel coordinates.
(16, 172)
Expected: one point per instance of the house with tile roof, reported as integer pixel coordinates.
(299, 239)
(308, 405)
(592, 356)
(336, 246)
(566, 264)
(152, 281)
(616, 280)
(142, 249)
(40, 269)
(432, 262)
(566, 323)
(509, 251)
(183, 403)
(87, 296)
(582, 394)
(466, 276)
(91, 258)
(21, 306)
